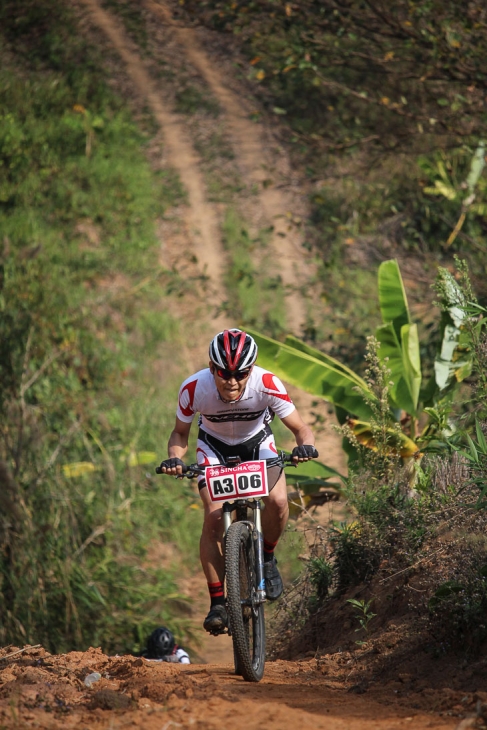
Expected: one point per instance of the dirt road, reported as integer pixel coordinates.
(42, 691)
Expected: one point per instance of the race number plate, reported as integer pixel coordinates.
(237, 482)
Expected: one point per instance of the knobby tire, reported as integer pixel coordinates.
(246, 620)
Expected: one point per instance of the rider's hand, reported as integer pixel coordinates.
(172, 466)
(304, 453)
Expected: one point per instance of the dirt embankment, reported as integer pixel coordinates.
(39, 690)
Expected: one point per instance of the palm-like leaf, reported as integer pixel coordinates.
(392, 296)
(453, 363)
(320, 376)
(399, 442)
(398, 339)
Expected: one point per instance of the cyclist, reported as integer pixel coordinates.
(236, 401)
(162, 647)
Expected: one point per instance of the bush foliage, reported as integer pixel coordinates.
(81, 320)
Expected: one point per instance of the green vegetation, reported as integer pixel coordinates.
(400, 505)
(384, 110)
(382, 107)
(190, 100)
(364, 615)
(384, 411)
(257, 298)
(84, 315)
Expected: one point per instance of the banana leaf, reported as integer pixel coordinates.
(392, 296)
(404, 363)
(293, 342)
(312, 474)
(323, 379)
(411, 360)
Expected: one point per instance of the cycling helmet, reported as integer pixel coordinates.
(160, 643)
(233, 350)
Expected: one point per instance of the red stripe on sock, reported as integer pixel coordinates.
(215, 589)
(269, 546)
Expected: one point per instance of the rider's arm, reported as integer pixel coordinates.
(177, 445)
(302, 432)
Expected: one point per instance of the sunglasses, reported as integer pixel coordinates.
(229, 374)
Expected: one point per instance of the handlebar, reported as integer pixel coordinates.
(193, 470)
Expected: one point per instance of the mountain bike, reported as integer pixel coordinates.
(240, 487)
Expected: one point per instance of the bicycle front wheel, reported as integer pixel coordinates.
(246, 616)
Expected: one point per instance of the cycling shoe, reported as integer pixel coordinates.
(217, 620)
(273, 581)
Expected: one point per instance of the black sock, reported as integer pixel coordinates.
(217, 597)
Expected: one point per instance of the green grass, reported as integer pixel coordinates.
(190, 100)
(257, 298)
(88, 353)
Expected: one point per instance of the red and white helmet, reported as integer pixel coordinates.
(233, 350)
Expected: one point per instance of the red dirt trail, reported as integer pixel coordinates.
(38, 690)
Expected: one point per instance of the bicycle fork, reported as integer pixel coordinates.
(257, 537)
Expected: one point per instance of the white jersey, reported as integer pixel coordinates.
(235, 422)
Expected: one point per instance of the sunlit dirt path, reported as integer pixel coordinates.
(201, 216)
(38, 690)
(254, 160)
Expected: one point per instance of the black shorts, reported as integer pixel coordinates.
(211, 451)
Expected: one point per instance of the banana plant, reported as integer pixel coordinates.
(322, 375)
(469, 193)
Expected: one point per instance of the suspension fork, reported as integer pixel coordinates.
(259, 551)
(258, 539)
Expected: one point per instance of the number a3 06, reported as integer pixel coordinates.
(223, 486)
(244, 481)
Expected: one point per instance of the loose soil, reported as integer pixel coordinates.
(44, 691)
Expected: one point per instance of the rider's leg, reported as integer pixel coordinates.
(276, 512)
(211, 540)
(213, 564)
(274, 519)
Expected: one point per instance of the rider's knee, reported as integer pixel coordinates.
(280, 504)
(213, 524)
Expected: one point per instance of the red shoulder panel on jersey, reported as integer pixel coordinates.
(186, 398)
(273, 389)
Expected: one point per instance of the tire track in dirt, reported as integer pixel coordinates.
(203, 224)
(254, 162)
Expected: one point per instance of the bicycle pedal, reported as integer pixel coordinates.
(219, 632)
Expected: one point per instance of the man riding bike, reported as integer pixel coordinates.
(236, 401)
